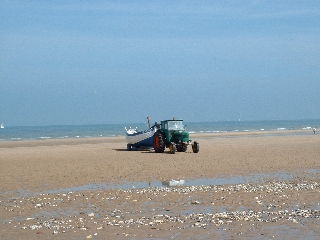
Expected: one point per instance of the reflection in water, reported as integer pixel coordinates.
(173, 183)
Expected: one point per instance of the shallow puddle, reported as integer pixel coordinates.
(252, 179)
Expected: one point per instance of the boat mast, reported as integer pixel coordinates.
(148, 122)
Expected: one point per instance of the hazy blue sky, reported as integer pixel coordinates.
(80, 62)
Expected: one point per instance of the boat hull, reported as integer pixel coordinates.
(140, 139)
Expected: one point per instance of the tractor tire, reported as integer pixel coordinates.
(182, 147)
(158, 142)
(195, 147)
(172, 148)
(129, 147)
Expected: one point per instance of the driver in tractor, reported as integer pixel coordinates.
(157, 125)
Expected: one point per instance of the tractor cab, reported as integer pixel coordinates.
(173, 125)
(172, 134)
(175, 131)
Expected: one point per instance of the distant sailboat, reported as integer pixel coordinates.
(1, 125)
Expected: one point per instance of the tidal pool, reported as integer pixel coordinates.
(253, 178)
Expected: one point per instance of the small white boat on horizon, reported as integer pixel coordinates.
(1, 126)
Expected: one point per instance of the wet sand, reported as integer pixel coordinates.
(283, 208)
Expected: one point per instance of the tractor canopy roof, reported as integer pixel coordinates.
(172, 124)
(172, 120)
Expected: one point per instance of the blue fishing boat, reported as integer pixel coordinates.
(140, 139)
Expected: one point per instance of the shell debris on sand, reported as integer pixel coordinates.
(184, 207)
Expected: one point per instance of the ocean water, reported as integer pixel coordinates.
(20, 133)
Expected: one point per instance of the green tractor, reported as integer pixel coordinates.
(172, 134)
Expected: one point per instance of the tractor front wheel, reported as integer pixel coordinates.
(195, 147)
(172, 148)
(158, 142)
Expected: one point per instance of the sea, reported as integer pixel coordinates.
(21, 133)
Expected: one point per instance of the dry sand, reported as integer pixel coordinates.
(34, 167)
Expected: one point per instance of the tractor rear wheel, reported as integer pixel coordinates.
(182, 147)
(195, 147)
(158, 142)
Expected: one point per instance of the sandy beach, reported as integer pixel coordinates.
(283, 203)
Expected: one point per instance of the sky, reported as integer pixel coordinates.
(98, 62)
